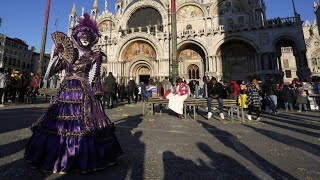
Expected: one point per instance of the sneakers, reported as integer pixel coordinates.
(249, 117)
(221, 115)
(258, 119)
(299, 111)
(209, 115)
(1, 105)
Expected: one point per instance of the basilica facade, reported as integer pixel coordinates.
(227, 39)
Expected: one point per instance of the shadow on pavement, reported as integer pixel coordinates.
(220, 167)
(231, 141)
(302, 131)
(290, 141)
(12, 147)
(294, 121)
(308, 115)
(19, 119)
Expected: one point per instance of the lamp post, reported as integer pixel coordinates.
(174, 59)
(44, 38)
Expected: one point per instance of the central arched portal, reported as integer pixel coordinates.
(238, 60)
(143, 74)
(141, 71)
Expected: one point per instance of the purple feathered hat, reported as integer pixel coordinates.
(86, 27)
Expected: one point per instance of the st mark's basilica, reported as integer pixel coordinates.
(227, 39)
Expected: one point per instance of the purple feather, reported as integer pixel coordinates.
(86, 25)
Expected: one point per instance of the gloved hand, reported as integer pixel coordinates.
(58, 49)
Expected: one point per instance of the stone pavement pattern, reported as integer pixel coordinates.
(163, 147)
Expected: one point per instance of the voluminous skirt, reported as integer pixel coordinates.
(176, 102)
(64, 139)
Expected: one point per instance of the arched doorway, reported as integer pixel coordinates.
(192, 62)
(237, 60)
(143, 74)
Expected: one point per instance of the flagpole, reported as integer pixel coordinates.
(44, 39)
(294, 7)
(174, 65)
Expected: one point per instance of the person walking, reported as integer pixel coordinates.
(130, 89)
(215, 91)
(254, 99)
(242, 99)
(2, 86)
(302, 99)
(233, 90)
(269, 89)
(109, 85)
(287, 97)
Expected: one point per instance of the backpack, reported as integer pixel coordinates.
(231, 88)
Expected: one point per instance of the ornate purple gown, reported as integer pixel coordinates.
(65, 138)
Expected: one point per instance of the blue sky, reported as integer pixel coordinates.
(24, 18)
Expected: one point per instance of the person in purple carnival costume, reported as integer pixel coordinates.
(75, 134)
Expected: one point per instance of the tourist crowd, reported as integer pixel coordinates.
(18, 87)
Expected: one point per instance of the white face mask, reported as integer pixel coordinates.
(84, 42)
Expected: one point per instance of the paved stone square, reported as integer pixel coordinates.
(162, 147)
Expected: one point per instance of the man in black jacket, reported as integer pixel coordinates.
(109, 85)
(270, 90)
(215, 91)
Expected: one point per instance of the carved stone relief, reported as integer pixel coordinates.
(189, 12)
(228, 7)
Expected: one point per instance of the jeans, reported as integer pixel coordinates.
(108, 97)
(220, 102)
(304, 107)
(272, 104)
(288, 104)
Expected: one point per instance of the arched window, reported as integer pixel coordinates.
(5, 60)
(28, 66)
(10, 61)
(230, 22)
(193, 71)
(23, 65)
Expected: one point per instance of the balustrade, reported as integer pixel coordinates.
(157, 30)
